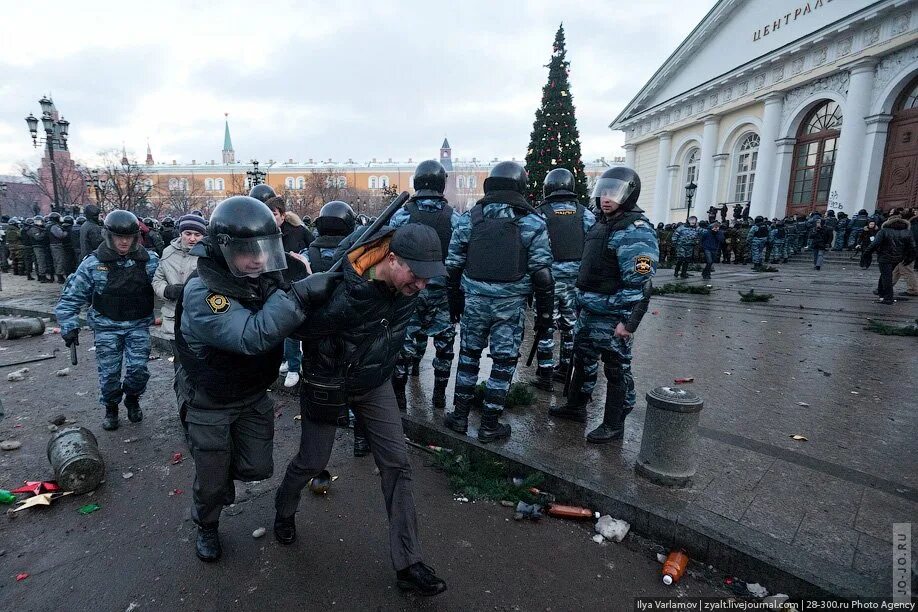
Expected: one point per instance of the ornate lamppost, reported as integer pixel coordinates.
(256, 176)
(56, 132)
(689, 194)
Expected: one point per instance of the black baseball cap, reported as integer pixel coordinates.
(419, 246)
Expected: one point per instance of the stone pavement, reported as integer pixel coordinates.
(804, 517)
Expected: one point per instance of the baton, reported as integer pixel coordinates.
(535, 347)
(73, 354)
(381, 220)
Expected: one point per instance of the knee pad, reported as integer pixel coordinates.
(612, 367)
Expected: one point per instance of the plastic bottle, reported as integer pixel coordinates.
(674, 566)
(575, 512)
(6, 497)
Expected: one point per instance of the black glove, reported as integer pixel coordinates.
(455, 295)
(71, 338)
(315, 289)
(172, 292)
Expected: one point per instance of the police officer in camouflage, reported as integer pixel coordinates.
(568, 223)
(41, 249)
(431, 318)
(499, 254)
(685, 239)
(778, 238)
(57, 236)
(614, 286)
(758, 240)
(115, 280)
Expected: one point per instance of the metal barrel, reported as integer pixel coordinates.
(667, 455)
(13, 328)
(76, 460)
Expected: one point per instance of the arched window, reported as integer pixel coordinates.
(909, 100)
(209, 184)
(218, 185)
(183, 184)
(690, 175)
(173, 183)
(289, 182)
(341, 182)
(460, 182)
(383, 182)
(814, 159)
(747, 156)
(473, 181)
(300, 182)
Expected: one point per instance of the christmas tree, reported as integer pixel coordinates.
(555, 141)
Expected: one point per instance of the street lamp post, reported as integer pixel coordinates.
(2, 195)
(94, 182)
(255, 175)
(689, 194)
(56, 131)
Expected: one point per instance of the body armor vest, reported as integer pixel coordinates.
(128, 293)
(496, 253)
(317, 262)
(441, 221)
(565, 232)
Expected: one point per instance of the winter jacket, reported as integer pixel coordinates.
(867, 236)
(359, 332)
(294, 234)
(822, 238)
(174, 269)
(712, 241)
(90, 237)
(893, 243)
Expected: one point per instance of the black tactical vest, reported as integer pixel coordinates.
(565, 231)
(496, 253)
(224, 375)
(54, 239)
(761, 231)
(599, 272)
(317, 262)
(128, 293)
(440, 220)
(780, 233)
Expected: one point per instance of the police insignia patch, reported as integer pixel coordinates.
(643, 264)
(102, 268)
(218, 303)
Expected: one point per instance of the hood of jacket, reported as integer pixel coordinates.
(896, 223)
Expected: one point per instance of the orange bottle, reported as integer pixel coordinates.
(576, 512)
(674, 566)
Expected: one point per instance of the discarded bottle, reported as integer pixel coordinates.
(575, 512)
(674, 566)
(6, 497)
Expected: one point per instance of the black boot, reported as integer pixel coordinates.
(132, 403)
(361, 445)
(543, 379)
(458, 419)
(574, 409)
(398, 385)
(60, 279)
(29, 276)
(560, 373)
(285, 529)
(207, 545)
(421, 579)
(613, 420)
(439, 392)
(110, 422)
(492, 430)
(415, 367)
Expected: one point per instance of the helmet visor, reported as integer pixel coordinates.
(253, 256)
(616, 189)
(121, 243)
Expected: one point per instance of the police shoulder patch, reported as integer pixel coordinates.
(643, 264)
(218, 303)
(102, 268)
(639, 223)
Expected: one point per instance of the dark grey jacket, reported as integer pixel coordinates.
(893, 243)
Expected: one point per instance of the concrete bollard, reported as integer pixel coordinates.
(13, 328)
(74, 455)
(667, 454)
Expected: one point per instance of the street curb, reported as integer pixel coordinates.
(707, 537)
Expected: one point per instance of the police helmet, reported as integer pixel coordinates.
(560, 181)
(429, 179)
(262, 193)
(247, 238)
(38, 220)
(620, 183)
(121, 223)
(92, 212)
(336, 218)
(28, 221)
(507, 176)
(54, 217)
(80, 220)
(759, 219)
(148, 221)
(67, 220)
(168, 221)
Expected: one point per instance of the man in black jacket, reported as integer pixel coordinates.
(894, 244)
(90, 231)
(353, 343)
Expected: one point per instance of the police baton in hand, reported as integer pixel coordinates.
(381, 220)
(73, 354)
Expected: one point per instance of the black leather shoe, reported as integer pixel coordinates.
(208, 544)
(132, 403)
(285, 529)
(420, 578)
(361, 446)
(110, 422)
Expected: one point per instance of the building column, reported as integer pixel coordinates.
(874, 153)
(661, 189)
(704, 195)
(672, 173)
(850, 156)
(784, 157)
(720, 162)
(764, 200)
(630, 155)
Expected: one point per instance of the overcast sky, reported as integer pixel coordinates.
(323, 79)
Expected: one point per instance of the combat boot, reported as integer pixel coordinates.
(543, 379)
(398, 385)
(110, 422)
(361, 445)
(560, 372)
(613, 421)
(492, 430)
(458, 419)
(207, 545)
(60, 279)
(574, 409)
(132, 403)
(439, 392)
(285, 529)
(415, 367)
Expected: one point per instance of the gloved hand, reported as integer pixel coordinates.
(315, 289)
(172, 292)
(71, 338)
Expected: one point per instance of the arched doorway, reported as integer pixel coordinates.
(814, 159)
(899, 182)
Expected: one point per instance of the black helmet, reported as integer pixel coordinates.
(508, 176)
(148, 221)
(92, 212)
(54, 217)
(248, 238)
(759, 219)
(560, 181)
(429, 179)
(337, 218)
(622, 184)
(38, 220)
(262, 193)
(80, 220)
(168, 221)
(28, 221)
(67, 220)
(121, 223)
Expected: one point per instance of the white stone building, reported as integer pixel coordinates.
(790, 105)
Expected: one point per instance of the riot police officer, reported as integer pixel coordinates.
(116, 281)
(619, 259)
(167, 231)
(28, 255)
(91, 231)
(757, 236)
(428, 207)
(335, 223)
(70, 260)
(56, 237)
(568, 223)
(498, 255)
(41, 249)
(75, 232)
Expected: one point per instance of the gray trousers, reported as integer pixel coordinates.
(379, 413)
(42, 264)
(59, 259)
(228, 445)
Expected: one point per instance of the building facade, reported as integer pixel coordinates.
(791, 106)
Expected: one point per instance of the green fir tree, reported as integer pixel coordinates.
(555, 141)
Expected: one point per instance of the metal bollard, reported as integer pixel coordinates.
(13, 328)
(667, 454)
(74, 455)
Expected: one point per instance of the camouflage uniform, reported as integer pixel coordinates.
(14, 244)
(778, 239)
(666, 245)
(115, 341)
(757, 244)
(28, 255)
(685, 239)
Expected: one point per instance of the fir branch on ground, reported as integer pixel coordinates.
(766, 269)
(752, 296)
(886, 329)
(520, 394)
(484, 477)
(669, 288)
